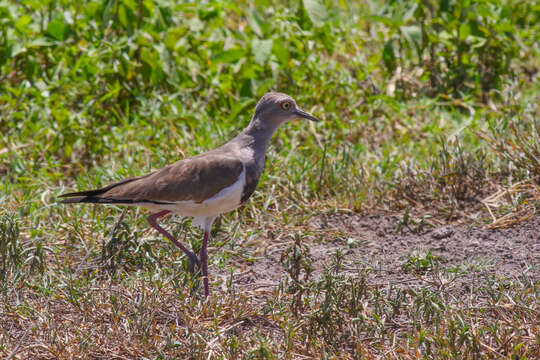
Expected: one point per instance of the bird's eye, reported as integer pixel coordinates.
(286, 105)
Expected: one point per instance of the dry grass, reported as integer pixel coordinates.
(334, 315)
(519, 202)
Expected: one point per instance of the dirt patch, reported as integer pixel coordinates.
(392, 254)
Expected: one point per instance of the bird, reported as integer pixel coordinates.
(206, 185)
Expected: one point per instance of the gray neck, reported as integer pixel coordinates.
(253, 142)
(257, 135)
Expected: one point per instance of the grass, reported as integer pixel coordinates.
(421, 119)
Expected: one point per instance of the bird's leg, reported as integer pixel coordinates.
(204, 261)
(192, 257)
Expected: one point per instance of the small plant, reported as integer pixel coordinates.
(117, 252)
(296, 260)
(35, 256)
(415, 226)
(10, 248)
(421, 263)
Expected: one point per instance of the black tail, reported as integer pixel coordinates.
(92, 200)
(73, 200)
(92, 196)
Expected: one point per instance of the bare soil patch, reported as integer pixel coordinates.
(388, 251)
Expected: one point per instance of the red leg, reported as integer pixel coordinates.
(204, 261)
(152, 220)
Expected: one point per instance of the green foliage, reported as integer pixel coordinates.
(74, 70)
(461, 46)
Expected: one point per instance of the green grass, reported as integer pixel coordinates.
(427, 109)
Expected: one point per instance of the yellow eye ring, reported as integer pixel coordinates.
(286, 105)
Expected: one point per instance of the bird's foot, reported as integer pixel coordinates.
(194, 265)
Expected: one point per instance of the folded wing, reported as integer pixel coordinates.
(195, 179)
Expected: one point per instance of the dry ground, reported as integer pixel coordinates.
(363, 286)
(380, 244)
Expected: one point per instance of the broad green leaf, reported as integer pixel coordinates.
(22, 24)
(209, 13)
(262, 49)
(39, 42)
(131, 4)
(228, 56)
(107, 14)
(413, 34)
(126, 17)
(464, 31)
(384, 20)
(476, 41)
(17, 49)
(389, 57)
(280, 50)
(253, 22)
(57, 29)
(316, 11)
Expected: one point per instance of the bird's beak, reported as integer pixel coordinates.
(304, 114)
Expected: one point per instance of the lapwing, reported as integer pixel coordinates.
(206, 185)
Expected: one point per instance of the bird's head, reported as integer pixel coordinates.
(277, 108)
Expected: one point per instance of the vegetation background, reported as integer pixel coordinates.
(430, 112)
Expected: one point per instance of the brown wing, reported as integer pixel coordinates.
(193, 179)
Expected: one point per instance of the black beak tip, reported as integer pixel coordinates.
(306, 115)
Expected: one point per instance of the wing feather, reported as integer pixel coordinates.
(194, 179)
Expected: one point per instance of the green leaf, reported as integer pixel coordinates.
(281, 52)
(316, 11)
(389, 57)
(262, 49)
(209, 13)
(409, 14)
(475, 41)
(39, 42)
(107, 14)
(22, 24)
(17, 49)
(413, 34)
(228, 56)
(149, 57)
(464, 31)
(126, 17)
(253, 21)
(57, 29)
(384, 20)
